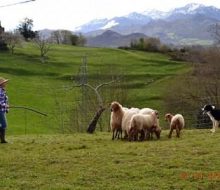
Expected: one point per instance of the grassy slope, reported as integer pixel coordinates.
(41, 86)
(92, 162)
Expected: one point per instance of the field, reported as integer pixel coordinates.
(42, 155)
(92, 162)
(44, 86)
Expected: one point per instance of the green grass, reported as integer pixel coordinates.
(43, 86)
(83, 161)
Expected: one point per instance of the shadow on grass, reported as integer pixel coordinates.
(23, 72)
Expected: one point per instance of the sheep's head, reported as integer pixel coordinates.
(115, 106)
(168, 117)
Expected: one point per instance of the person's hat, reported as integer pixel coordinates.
(3, 80)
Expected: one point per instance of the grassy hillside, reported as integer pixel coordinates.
(43, 86)
(83, 161)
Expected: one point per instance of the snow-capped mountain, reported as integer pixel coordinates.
(184, 24)
(191, 8)
(131, 20)
(155, 14)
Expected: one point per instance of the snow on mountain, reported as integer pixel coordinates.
(109, 24)
(92, 25)
(188, 9)
(155, 14)
(137, 16)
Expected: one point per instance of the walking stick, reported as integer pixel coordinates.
(30, 109)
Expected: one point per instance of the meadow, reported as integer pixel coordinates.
(40, 155)
(92, 162)
(44, 86)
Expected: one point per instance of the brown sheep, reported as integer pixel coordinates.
(176, 123)
(117, 113)
(140, 123)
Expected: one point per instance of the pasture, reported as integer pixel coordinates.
(44, 86)
(41, 155)
(83, 161)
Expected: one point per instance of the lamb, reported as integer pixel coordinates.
(117, 113)
(142, 123)
(176, 122)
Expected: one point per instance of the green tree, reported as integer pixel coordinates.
(25, 29)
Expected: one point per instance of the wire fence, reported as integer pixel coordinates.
(67, 111)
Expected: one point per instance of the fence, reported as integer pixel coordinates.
(68, 111)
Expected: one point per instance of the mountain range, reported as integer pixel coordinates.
(185, 25)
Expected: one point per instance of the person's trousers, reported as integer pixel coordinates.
(3, 121)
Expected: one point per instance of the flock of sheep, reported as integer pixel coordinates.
(140, 124)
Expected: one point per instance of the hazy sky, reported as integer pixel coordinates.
(68, 14)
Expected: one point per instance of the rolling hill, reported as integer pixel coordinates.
(48, 87)
(113, 39)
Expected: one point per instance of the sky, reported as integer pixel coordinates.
(69, 14)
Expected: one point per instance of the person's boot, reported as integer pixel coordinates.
(3, 136)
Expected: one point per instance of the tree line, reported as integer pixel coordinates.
(24, 32)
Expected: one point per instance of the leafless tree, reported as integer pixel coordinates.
(101, 106)
(44, 46)
(61, 36)
(56, 36)
(215, 32)
(12, 40)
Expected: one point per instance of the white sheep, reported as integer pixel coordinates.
(156, 130)
(177, 122)
(126, 120)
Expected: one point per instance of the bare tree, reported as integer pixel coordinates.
(94, 96)
(56, 36)
(101, 106)
(44, 46)
(215, 32)
(12, 40)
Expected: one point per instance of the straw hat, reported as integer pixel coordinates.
(3, 80)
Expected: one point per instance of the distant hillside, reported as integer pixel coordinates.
(186, 24)
(47, 87)
(113, 39)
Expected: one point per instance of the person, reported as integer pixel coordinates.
(3, 108)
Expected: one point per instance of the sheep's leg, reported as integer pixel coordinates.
(126, 135)
(121, 133)
(171, 131)
(147, 134)
(177, 131)
(116, 134)
(130, 135)
(133, 135)
(151, 135)
(113, 134)
(142, 136)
